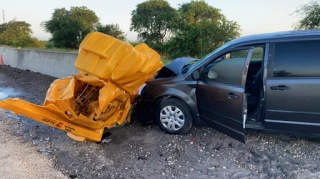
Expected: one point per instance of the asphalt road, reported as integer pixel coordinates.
(138, 151)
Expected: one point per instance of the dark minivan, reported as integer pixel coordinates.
(267, 82)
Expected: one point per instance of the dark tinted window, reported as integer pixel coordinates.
(297, 59)
(227, 69)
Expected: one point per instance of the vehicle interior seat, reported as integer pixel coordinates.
(253, 90)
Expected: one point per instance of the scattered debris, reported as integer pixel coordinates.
(45, 151)
(193, 139)
(73, 176)
(107, 140)
(142, 158)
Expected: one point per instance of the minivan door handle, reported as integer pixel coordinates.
(280, 88)
(233, 96)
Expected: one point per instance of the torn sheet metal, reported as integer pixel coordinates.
(110, 71)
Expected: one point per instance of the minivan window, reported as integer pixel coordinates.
(193, 66)
(227, 68)
(297, 59)
(257, 54)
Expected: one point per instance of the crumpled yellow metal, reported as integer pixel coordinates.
(100, 96)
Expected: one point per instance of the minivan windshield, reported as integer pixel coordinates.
(194, 65)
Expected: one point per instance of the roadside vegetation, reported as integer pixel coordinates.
(18, 33)
(193, 29)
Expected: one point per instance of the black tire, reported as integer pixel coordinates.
(175, 104)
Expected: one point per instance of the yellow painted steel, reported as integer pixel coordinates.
(110, 71)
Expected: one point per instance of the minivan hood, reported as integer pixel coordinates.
(175, 67)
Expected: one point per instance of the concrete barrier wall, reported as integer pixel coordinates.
(56, 64)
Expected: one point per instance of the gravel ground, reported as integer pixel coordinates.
(138, 151)
(21, 160)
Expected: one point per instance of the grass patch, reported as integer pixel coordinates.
(165, 60)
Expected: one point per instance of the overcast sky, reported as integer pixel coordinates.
(254, 16)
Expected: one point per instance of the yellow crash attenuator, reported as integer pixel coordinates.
(100, 96)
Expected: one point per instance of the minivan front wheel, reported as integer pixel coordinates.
(174, 116)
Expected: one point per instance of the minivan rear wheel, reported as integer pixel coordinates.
(174, 116)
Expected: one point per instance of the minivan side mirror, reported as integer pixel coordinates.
(196, 74)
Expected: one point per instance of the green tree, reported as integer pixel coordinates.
(69, 27)
(17, 33)
(153, 20)
(197, 11)
(309, 16)
(200, 29)
(112, 30)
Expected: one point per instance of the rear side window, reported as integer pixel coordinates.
(297, 59)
